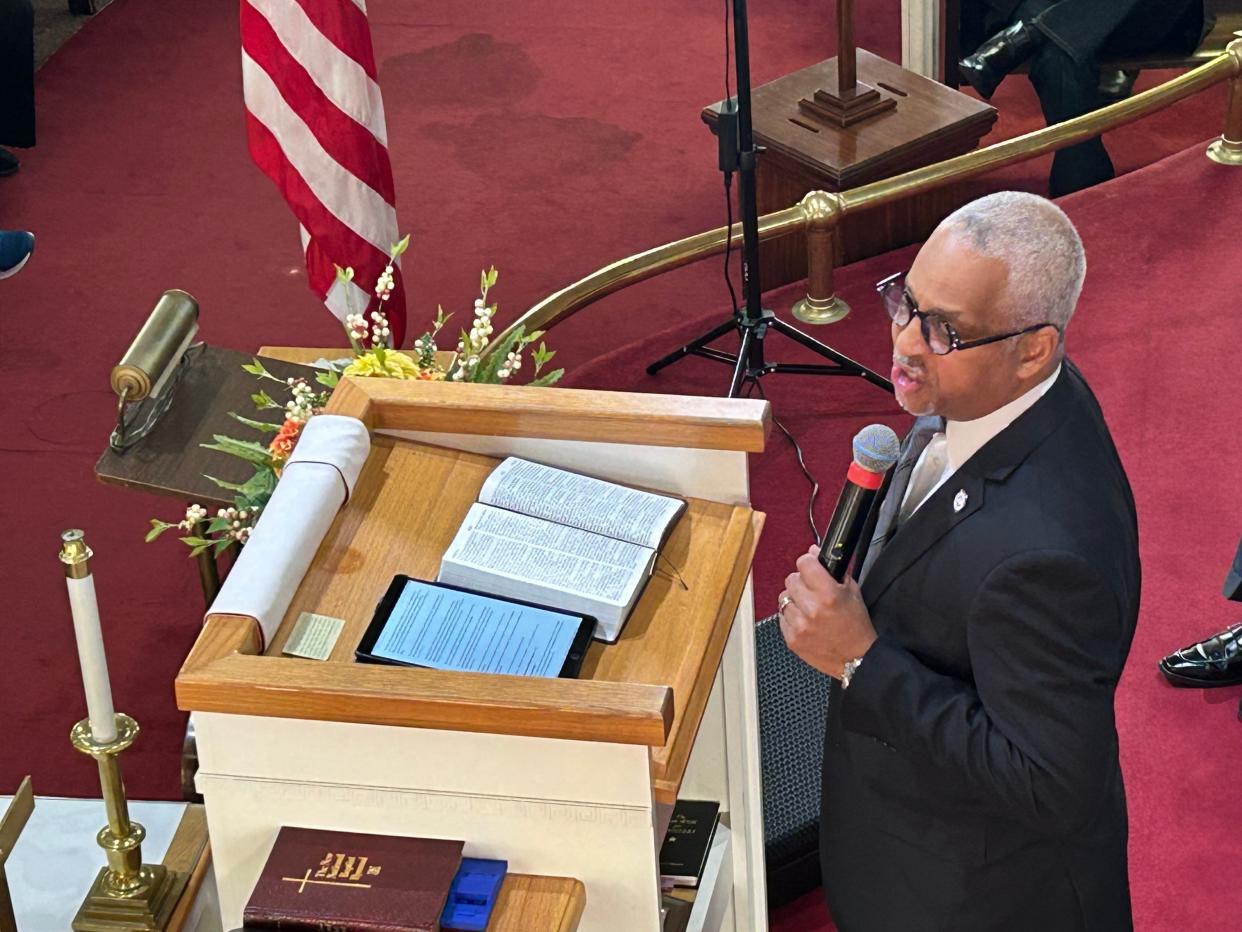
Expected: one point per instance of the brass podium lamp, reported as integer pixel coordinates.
(147, 375)
(126, 894)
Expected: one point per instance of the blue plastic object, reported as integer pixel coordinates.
(472, 897)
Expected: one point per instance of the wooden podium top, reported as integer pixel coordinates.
(650, 687)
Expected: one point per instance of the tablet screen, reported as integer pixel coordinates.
(449, 629)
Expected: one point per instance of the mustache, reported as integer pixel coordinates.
(907, 362)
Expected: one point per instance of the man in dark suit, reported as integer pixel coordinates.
(1064, 40)
(971, 779)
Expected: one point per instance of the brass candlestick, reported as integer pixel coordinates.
(126, 894)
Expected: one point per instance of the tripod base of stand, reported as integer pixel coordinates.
(749, 364)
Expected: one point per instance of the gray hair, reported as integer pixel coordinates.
(1038, 243)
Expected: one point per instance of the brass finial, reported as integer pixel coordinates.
(75, 554)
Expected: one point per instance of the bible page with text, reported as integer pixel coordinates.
(528, 558)
(582, 502)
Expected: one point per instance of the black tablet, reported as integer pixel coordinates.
(430, 624)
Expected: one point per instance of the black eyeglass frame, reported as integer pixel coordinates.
(955, 342)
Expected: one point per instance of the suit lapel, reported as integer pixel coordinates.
(934, 519)
(962, 494)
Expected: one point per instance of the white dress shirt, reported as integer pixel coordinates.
(949, 450)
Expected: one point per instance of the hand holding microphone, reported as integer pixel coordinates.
(876, 448)
(822, 615)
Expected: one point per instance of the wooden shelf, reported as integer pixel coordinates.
(530, 903)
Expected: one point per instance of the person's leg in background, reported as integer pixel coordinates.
(1063, 41)
(17, 110)
(1232, 589)
(1068, 88)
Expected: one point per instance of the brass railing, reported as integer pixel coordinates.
(820, 212)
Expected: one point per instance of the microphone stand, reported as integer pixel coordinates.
(752, 321)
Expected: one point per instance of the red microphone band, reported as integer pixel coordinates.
(864, 477)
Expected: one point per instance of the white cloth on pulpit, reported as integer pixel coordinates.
(315, 483)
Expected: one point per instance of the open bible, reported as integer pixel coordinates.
(561, 539)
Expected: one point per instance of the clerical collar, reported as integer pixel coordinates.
(966, 438)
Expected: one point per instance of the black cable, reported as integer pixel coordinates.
(810, 507)
(728, 176)
(728, 276)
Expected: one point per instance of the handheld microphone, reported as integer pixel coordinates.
(875, 450)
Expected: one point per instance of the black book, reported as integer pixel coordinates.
(689, 838)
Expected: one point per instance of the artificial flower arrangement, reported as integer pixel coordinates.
(374, 356)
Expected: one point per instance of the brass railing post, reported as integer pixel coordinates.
(1227, 149)
(821, 212)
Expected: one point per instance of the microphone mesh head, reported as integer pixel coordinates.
(876, 448)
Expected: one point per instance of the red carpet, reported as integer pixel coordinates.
(550, 138)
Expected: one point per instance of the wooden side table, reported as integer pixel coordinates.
(931, 122)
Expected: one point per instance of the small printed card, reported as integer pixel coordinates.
(314, 636)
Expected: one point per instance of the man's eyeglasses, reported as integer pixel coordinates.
(938, 333)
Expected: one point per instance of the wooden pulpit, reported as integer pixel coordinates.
(566, 777)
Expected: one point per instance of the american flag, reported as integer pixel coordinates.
(315, 123)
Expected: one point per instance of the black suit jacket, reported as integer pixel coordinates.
(971, 778)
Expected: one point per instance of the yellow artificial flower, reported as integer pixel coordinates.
(396, 365)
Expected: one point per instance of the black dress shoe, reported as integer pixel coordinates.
(1005, 51)
(1214, 662)
(8, 162)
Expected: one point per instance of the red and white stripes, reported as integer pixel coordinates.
(315, 123)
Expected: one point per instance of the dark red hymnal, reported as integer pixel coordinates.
(352, 882)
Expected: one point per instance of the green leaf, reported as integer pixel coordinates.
(545, 380)
(158, 527)
(329, 379)
(257, 368)
(231, 486)
(399, 248)
(218, 524)
(247, 450)
(344, 275)
(197, 544)
(262, 400)
(497, 354)
(223, 544)
(257, 425)
(259, 487)
(492, 276)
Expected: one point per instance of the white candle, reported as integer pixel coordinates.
(89, 634)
